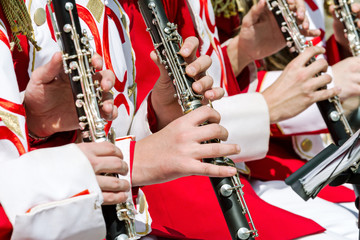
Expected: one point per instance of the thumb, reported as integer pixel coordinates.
(156, 60)
(253, 16)
(50, 70)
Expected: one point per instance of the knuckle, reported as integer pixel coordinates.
(215, 149)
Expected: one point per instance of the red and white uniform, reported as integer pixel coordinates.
(51, 192)
(111, 41)
(190, 202)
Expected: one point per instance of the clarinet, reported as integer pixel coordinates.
(330, 109)
(167, 44)
(77, 54)
(344, 14)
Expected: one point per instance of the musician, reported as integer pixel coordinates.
(185, 224)
(281, 160)
(148, 168)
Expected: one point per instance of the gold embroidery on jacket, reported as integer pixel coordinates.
(12, 122)
(96, 7)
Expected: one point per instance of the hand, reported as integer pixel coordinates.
(338, 26)
(176, 151)
(49, 103)
(297, 88)
(347, 76)
(105, 157)
(260, 35)
(164, 103)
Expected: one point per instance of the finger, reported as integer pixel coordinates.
(108, 109)
(311, 32)
(50, 70)
(255, 13)
(214, 93)
(97, 61)
(111, 198)
(300, 10)
(355, 8)
(106, 79)
(326, 94)
(209, 132)
(304, 23)
(304, 58)
(106, 149)
(198, 67)
(210, 170)
(203, 84)
(189, 48)
(156, 60)
(320, 81)
(317, 66)
(213, 150)
(111, 165)
(112, 184)
(201, 115)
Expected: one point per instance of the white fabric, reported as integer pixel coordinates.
(142, 218)
(333, 217)
(140, 126)
(246, 118)
(46, 180)
(122, 61)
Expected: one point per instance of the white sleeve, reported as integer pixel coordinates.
(246, 118)
(140, 126)
(52, 192)
(139, 206)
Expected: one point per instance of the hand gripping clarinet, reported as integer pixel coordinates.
(77, 54)
(344, 14)
(331, 109)
(167, 43)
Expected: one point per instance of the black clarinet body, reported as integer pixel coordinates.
(167, 44)
(330, 109)
(77, 55)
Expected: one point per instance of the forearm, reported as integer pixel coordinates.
(239, 60)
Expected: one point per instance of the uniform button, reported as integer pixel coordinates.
(39, 16)
(306, 145)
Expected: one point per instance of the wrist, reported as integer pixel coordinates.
(238, 58)
(165, 112)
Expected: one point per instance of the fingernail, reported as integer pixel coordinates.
(232, 171)
(109, 85)
(185, 51)
(191, 70)
(197, 86)
(238, 148)
(211, 95)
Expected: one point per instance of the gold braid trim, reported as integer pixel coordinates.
(20, 22)
(227, 8)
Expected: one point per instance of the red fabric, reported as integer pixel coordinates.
(281, 161)
(227, 27)
(181, 208)
(233, 86)
(55, 140)
(332, 51)
(187, 208)
(151, 116)
(5, 225)
(135, 190)
(147, 72)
